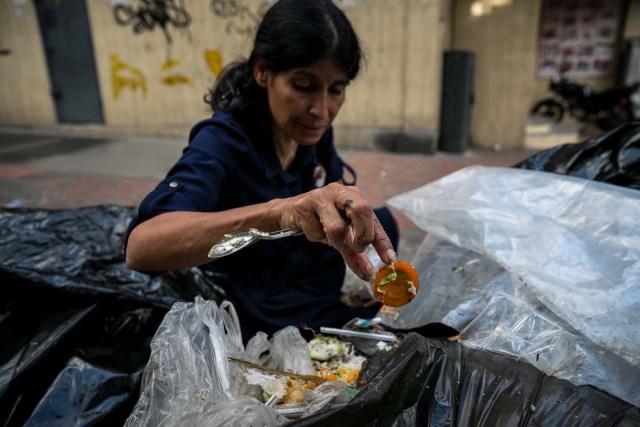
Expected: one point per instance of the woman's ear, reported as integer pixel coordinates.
(260, 72)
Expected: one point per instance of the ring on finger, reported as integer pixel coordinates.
(343, 210)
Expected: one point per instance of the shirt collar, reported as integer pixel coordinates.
(272, 167)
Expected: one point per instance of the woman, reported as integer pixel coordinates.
(262, 161)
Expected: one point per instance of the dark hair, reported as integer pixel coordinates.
(293, 33)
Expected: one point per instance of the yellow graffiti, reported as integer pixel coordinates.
(135, 80)
(124, 75)
(213, 58)
(174, 79)
(170, 63)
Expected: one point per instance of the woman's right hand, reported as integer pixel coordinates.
(341, 217)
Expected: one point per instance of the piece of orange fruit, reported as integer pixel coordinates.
(396, 284)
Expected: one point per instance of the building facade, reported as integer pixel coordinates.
(144, 66)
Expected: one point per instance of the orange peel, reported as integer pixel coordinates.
(396, 284)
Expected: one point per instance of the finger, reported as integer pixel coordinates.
(308, 220)
(329, 223)
(359, 263)
(359, 214)
(382, 244)
(343, 210)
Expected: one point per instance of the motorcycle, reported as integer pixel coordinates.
(606, 109)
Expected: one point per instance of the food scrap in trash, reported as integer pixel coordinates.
(324, 348)
(311, 378)
(396, 284)
(333, 360)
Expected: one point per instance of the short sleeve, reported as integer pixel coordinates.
(199, 180)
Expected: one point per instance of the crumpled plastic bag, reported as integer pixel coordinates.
(576, 242)
(188, 372)
(189, 380)
(568, 248)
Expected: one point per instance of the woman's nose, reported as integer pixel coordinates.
(319, 106)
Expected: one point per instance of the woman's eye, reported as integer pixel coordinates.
(336, 91)
(303, 86)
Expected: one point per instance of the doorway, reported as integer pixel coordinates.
(66, 39)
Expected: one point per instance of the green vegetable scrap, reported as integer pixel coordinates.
(323, 349)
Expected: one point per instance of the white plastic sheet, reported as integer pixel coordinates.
(559, 245)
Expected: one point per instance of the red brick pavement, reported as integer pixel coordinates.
(383, 175)
(77, 191)
(17, 172)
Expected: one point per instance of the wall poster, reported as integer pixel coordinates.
(578, 37)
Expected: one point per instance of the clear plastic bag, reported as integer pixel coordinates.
(510, 326)
(357, 292)
(188, 372)
(290, 352)
(566, 249)
(189, 380)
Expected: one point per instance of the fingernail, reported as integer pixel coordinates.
(391, 256)
(367, 276)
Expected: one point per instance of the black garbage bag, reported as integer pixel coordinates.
(431, 382)
(81, 251)
(613, 157)
(75, 322)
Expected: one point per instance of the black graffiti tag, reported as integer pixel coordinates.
(240, 18)
(163, 13)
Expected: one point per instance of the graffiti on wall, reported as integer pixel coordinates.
(240, 19)
(126, 76)
(174, 79)
(149, 14)
(213, 58)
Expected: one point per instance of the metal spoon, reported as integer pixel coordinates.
(233, 242)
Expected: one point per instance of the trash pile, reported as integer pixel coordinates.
(199, 372)
(527, 312)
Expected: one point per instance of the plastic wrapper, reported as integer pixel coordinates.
(289, 352)
(562, 246)
(509, 326)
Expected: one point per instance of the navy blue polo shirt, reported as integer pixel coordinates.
(272, 284)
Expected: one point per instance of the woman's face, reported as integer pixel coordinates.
(303, 101)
